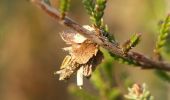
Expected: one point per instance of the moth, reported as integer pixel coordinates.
(83, 57)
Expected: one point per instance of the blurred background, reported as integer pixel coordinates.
(31, 48)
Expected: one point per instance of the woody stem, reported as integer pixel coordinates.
(142, 61)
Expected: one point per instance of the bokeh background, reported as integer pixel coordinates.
(31, 48)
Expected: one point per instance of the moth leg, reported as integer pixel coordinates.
(80, 77)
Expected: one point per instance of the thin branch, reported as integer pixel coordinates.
(141, 60)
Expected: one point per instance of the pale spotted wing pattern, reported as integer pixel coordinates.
(90, 66)
(83, 57)
(85, 52)
(72, 37)
(68, 68)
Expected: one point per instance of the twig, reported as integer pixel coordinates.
(141, 60)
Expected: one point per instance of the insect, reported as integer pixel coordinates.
(83, 56)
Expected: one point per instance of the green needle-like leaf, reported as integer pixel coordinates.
(64, 7)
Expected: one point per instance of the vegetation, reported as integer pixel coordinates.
(103, 78)
(135, 60)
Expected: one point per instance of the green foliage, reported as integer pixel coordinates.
(98, 12)
(162, 44)
(64, 7)
(98, 81)
(166, 47)
(163, 75)
(122, 60)
(81, 93)
(113, 94)
(163, 34)
(103, 79)
(138, 93)
(107, 34)
(95, 10)
(132, 42)
(108, 63)
(89, 5)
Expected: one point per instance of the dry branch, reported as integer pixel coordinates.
(142, 61)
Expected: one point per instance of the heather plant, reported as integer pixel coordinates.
(93, 49)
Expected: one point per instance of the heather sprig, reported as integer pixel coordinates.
(64, 7)
(132, 42)
(163, 34)
(96, 10)
(137, 92)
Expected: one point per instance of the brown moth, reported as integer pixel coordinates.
(83, 57)
(68, 67)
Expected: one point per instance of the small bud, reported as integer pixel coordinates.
(137, 89)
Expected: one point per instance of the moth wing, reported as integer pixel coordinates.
(90, 67)
(85, 52)
(68, 68)
(71, 37)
